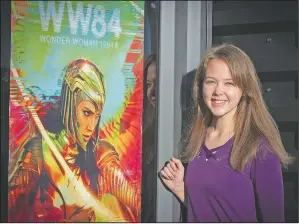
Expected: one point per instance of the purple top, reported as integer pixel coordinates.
(217, 193)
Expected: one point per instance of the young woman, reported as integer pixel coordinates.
(234, 149)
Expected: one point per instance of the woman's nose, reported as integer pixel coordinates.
(219, 89)
(153, 91)
(91, 124)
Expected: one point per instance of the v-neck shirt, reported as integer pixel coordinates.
(217, 193)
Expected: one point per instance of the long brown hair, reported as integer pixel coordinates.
(254, 119)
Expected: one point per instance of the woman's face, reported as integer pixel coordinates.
(87, 118)
(220, 93)
(151, 84)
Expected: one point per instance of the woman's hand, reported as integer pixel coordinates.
(172, 175)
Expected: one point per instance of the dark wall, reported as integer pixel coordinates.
(5, 61)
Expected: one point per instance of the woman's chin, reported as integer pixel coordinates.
(218, 112)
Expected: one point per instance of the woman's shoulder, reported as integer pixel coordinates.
(105, 145)
(105, 153)
(265, 163)
(265, 149)
(265, 157)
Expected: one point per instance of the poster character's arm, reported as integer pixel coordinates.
(112, 178)
(24, 176)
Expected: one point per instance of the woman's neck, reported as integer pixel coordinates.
(222, 125)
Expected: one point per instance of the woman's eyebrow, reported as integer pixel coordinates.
(85, 108)
(208, 77)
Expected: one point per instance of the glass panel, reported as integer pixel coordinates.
(149, 155)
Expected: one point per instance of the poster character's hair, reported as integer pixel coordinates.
(83, 80)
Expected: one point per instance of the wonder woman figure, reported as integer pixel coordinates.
(40, 187)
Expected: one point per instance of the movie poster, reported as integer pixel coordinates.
(76, 96)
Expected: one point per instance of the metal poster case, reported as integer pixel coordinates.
(75, 111)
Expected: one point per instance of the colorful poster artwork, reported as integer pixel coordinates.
(75, 113)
